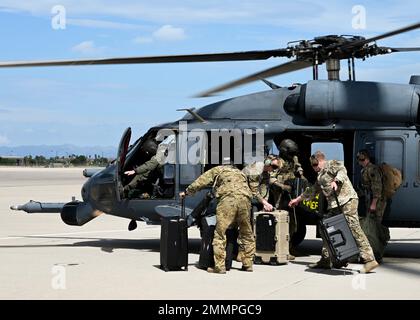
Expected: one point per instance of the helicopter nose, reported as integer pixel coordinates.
(86, 190)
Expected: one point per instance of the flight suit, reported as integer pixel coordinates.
(233, 206)
(347, 197)
(145, 171)
(373, 187)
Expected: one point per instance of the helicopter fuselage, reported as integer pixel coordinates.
(381, 117)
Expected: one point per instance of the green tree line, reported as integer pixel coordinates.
(71, 160)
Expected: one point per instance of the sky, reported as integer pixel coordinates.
(92, 105)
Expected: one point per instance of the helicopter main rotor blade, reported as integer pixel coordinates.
(404, 49)
(382, 36)
(274, 71)
(206, 57)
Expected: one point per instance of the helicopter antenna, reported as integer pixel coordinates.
(194, 114)
(270, 84)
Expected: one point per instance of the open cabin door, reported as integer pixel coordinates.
(121, 156)
(399, 148)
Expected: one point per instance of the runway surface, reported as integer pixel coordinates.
(43, 258)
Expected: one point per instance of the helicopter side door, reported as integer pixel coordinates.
(400, 149)
(121, 156)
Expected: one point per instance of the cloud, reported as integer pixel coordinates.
(313, 16)
(169, 33)
(87, 48)
(142, 40)
(164, 33)
(4, 140)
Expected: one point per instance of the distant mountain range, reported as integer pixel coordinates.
(63, 150)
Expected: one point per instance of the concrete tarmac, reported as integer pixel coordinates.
(43, 258)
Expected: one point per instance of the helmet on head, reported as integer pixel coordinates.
(288, 148)
(149, 147)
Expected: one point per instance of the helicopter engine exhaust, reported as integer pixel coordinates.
(350, 100)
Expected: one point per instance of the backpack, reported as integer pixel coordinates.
(391, 179)
(377, 234)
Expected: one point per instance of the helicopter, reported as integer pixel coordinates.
(381, 117)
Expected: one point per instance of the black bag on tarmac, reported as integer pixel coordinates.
(340, 241)
(377, 234)
(174, 242)
(206, 258)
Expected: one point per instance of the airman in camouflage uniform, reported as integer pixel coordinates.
(333, 180)
(233, 206)
(372, 185)
(268, 182)
(289, 169)
(260, 180)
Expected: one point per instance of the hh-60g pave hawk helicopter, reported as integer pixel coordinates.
(381, 117)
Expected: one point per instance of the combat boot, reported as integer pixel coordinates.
(215, 270)
(247, 268)
(369, 266)
(240, 256)
(291, 257)
(294, 252)
(321, 264)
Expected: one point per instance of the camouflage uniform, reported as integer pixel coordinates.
(280, 180)
(233, 206)
(258, 181)
(282, 188)
(372, 185)
(347, 197)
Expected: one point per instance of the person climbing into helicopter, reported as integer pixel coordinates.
(147, 173)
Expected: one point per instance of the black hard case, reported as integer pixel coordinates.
(174, 243)
(340, 241)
